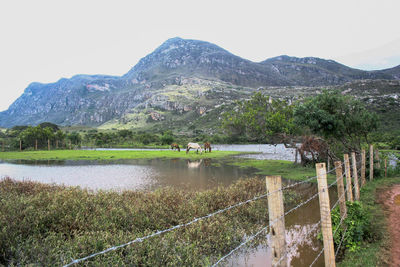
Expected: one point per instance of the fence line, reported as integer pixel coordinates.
(241, 245)
(159, 232)
(286, 213)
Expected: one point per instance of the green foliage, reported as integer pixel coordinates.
(261, 119)
(75, 138)
(337, 118)
(49, 225)
(357, 222)
(167, 138)
(53, 126)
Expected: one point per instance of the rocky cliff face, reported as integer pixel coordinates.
(181, 76)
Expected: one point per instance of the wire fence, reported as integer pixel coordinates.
(251, 237)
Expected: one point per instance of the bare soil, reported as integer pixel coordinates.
(391, 201)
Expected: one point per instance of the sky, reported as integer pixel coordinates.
(45, 40)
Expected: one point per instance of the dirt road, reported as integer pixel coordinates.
(391, 201)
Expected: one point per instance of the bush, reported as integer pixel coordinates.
(357, 224)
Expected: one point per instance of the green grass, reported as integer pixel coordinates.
(286, 169)
(48, 225)
(375, 251)
(109, 155)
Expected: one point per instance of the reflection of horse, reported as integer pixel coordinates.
(207, 145)
(194, 164)
(175, 146)
(194, 146)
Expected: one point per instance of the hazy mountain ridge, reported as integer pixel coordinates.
(181, 76)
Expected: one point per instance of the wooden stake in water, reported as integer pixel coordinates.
(363, 162)
(355, 177)
(276, 220)
(349, 187)
(325, 208)
(371, 162)
(340, 188)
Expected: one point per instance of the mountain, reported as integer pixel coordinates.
(180, 81)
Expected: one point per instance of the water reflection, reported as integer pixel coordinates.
(194, 164)
(119, 175)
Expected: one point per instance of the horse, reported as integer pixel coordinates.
(207, 145)
(175, 146)
(194, 146)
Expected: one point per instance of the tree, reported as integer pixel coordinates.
(262, 119)
(75, 138)
(338, 118)
(167, 138)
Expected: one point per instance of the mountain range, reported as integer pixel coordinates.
(181, 81)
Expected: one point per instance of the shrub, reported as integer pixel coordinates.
(357, 223)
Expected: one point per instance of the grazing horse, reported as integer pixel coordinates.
(175, 146)
(194, 146)
(207, 145)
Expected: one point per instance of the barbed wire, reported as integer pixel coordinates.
(341, 241)
(159, 232)
(316, 258)
(279, 218)
(241, 245)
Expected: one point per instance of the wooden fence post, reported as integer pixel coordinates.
(276, 220)
(363, 162)
(20, 145)
(355, 177)
(48, 144)
(378, 162)
(2, 145)
(340, 188)
(385, 167)
(57, 144)
(326, 223)
(36, 144)
(371, 162)
(70, 145)
(349, 187)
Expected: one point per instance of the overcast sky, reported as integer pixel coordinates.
(45, 40)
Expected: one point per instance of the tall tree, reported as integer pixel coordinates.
(340, 119)
(262, 119)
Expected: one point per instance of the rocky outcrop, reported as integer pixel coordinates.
(180, 76)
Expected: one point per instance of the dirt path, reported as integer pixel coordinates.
(391, 201)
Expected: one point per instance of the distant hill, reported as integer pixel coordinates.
(180, 81)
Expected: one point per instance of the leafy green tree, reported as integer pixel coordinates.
(54, 127)
(167, 138)
(340, 119)
(60, 136)
(75, 138)
(262, 119)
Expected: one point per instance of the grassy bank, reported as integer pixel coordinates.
(49, 225)
(286, 169)
(109, 155)
(375, 251)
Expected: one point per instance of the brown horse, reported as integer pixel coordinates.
(207, 145)
(175, 146)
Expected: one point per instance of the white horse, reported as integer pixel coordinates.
(194, 146)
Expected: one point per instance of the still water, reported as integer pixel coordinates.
(128, 174)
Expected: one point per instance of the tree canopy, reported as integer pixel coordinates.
(261, 119)
(337, 118)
